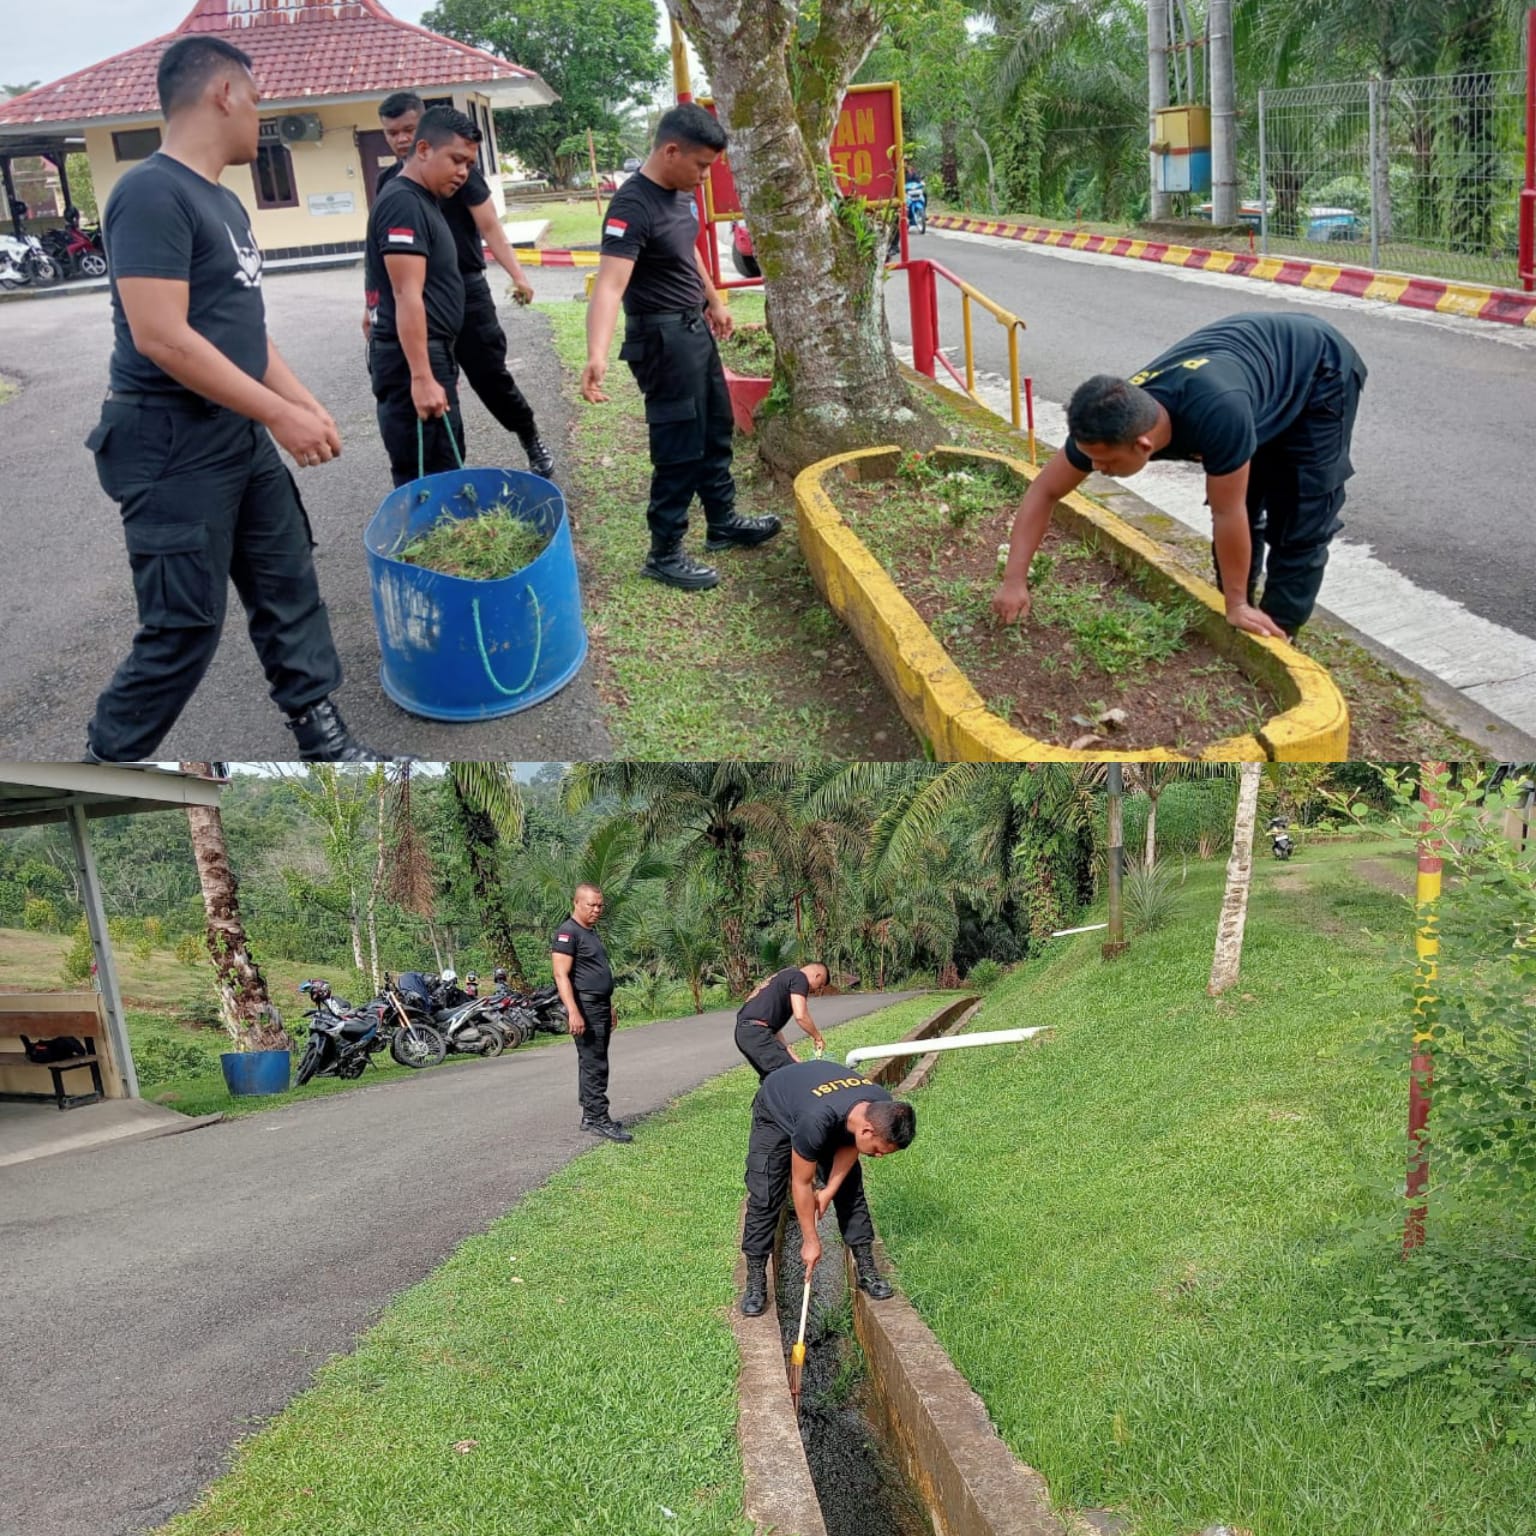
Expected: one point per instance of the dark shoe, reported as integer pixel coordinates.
(741, 532)
(322, 737)
(675, 569)
(754, 1300)
(540, 460)
(611, 1130)
(871, 1281)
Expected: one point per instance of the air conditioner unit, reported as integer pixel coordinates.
(301, 128)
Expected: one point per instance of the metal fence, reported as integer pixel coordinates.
(1417, 175)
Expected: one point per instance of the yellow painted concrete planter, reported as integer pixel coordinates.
(938, 700)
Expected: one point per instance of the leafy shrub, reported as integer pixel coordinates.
(40, 915)
(154, 932)
(1149, 896)
(984, 975)
(79, 957)
(190, 949)
(163, 1058)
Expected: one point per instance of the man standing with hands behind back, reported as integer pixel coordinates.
(584, 981)
(650, 263)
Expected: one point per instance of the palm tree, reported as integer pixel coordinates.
(691, 939)
(244, 1005)
(487, 810)
(1234, 901)
(409, 879)
(718, 812)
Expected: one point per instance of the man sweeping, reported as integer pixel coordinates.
(769, 1007)
(817, 1116)
(1266, 404)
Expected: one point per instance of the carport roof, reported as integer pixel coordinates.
(302, 52)
(34, 793)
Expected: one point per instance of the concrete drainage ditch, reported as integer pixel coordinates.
(894, 1440)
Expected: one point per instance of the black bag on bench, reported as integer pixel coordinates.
(58, 1048)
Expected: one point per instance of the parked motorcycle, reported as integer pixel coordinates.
(548, 1012)
(917, 205)
(1280, 844)
(413, 1040)
(78, 251)
(472, 1029)
(24, 261)
(341, 1039)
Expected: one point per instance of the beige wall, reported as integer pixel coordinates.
(40, 1016)
(333, 166)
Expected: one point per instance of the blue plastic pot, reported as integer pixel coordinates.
(456, 649)
(249, 1073)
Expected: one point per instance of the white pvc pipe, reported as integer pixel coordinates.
(950, 1043)
(1061, 933)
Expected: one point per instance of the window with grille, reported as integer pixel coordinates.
(273, 175)
(135, 143)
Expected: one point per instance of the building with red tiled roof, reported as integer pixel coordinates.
(322, 67)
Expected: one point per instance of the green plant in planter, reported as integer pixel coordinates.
(749, 352)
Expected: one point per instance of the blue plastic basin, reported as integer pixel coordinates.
(457, 649)
(248, 1073)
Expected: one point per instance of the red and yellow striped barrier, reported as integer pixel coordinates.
(557, 258)
(1471, 300)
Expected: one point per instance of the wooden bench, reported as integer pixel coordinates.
(18, 1072)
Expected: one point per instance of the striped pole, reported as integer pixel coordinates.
(1426, 943)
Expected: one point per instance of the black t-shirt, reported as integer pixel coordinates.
(1234, 385)
(810, 1101)
(771, 1002)
(655, 229)
(590, 971)
(406, 221)
(164, 220)
(459, 214)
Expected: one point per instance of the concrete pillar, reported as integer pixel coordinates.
(1157, 91)
(101, 947)
(1223, 115)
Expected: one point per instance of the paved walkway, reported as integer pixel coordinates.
(165, 1297)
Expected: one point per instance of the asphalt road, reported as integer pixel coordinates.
(164, 1297)
(1442, 446)
(66, 605)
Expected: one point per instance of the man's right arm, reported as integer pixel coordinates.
(613, 275)
(1059, 477)
(156, 311)
(802, 1183)
(802, 1012)
(408, 278)
(561, 966)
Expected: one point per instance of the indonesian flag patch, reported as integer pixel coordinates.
(402, 237)
(615, 229)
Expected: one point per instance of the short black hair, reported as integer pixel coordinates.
(1110, 410)
(440, 124)
(189, 64)
(690, 124)
(805, 965)
(893, 1121)
(399, 104)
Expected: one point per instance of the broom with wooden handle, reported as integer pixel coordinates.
(797, 1354)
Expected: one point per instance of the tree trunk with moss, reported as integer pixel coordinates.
(779, 83)
(246, 1009)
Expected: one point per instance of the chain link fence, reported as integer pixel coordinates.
(1418, 175)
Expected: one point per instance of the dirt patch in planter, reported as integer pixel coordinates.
(1093, 643)
(748, 351)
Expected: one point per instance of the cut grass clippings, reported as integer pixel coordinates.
(570, 1370)
(1093, 644)
(486, 547)
(8, 390)
(749, 351)
(758, 667)
(1125, 1236)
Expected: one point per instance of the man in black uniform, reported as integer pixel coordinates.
(584, 980)
(672, 315)
(481, 348)
(183, 443)
(769, 1007)
(809, 1118)
(1266, 403)
(416, 296)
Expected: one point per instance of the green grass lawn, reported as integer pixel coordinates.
(570, 1370)
(579, 222)
(1124, 1236)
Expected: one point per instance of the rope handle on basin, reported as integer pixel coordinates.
(421, 446)
(485, 655)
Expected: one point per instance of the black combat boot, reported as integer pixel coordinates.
(540, 460)
(871, 1281)
(322, 737)
(742, 532)
(675, 569)
(754, 1300)
(612, 1130)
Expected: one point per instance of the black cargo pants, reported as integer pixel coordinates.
(592, 1055)
(1296, 490)
(688, 409)
(398, 421)
(768, 1175)
(763, 1047)
(481, 351)
(204, 499)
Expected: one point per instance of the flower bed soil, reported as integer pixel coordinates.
(1092, 643)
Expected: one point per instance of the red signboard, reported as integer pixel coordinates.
(866, 153)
